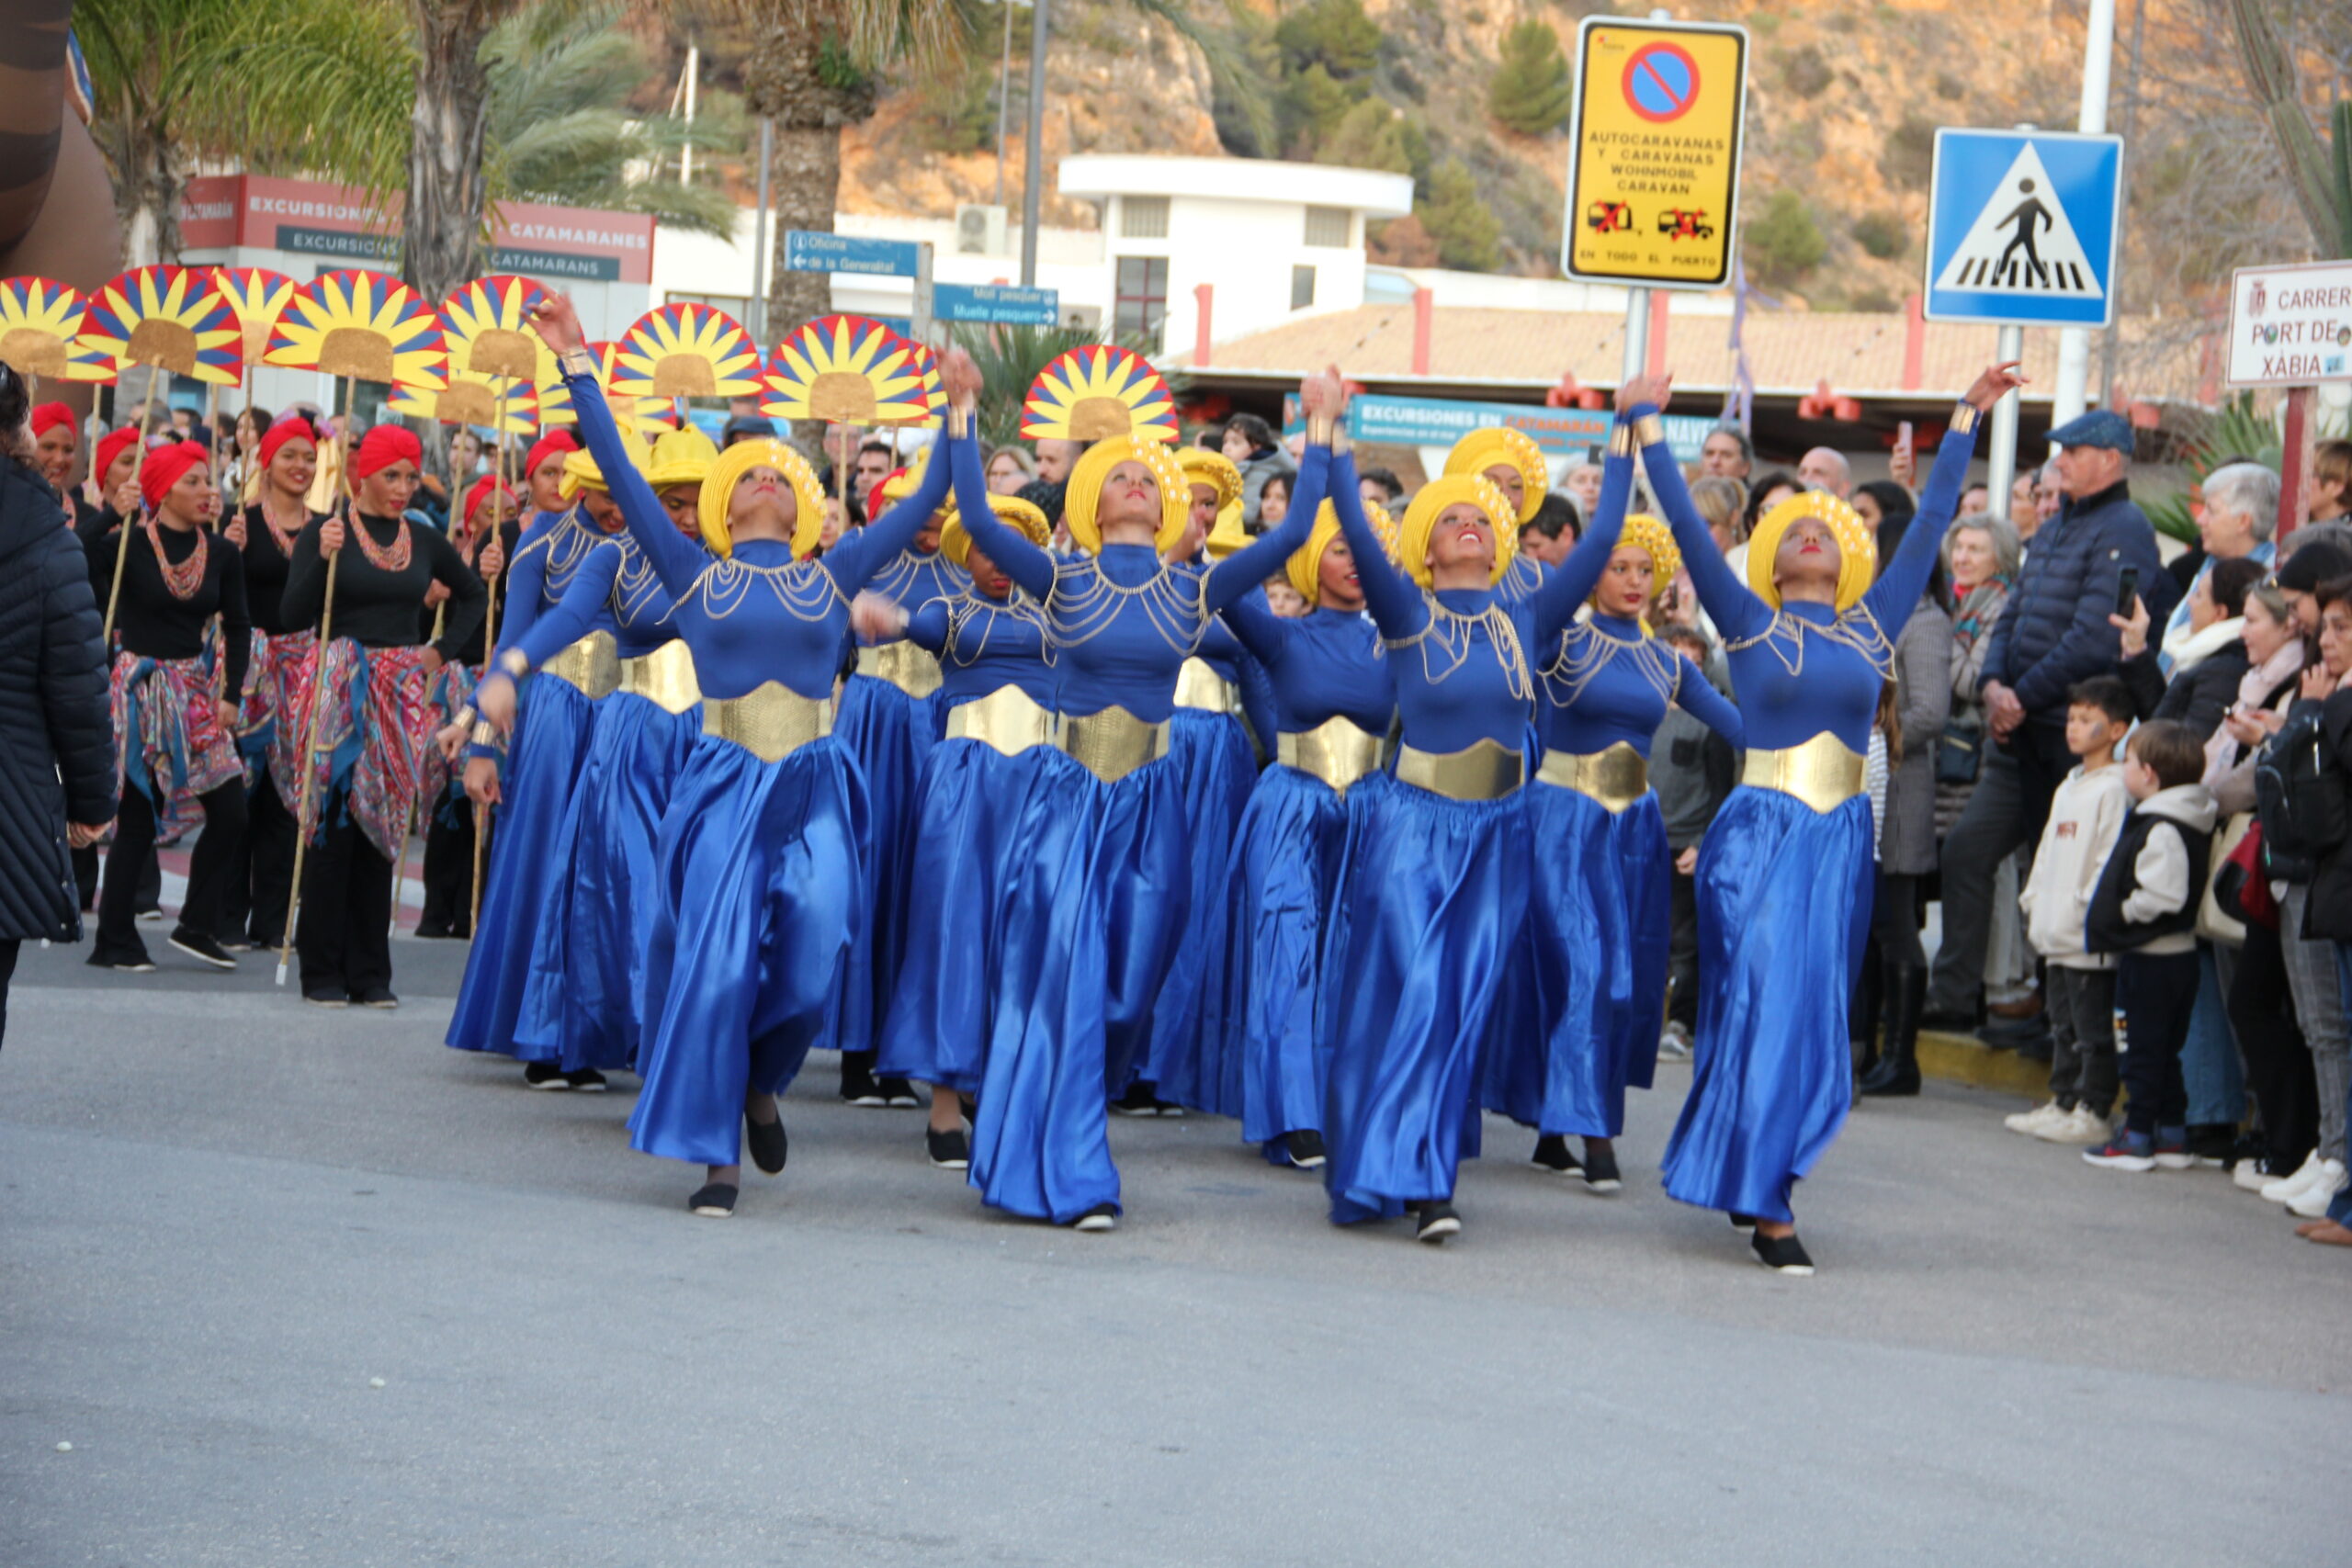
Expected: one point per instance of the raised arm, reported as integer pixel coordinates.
(1729, 602)
(1028, 566)
(853, 561)
(1554, 601)
(1697, 696)
(1232, 579)
(1903, 576)
(927, 628)
(1394, 599)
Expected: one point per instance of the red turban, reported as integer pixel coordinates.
(554, 441)
(164, 466)
(49, 416)
(383, 445)
(110, 447)
(293, 427)
(481, 490)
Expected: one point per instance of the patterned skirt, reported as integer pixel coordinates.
(169, 742)
(373, 754)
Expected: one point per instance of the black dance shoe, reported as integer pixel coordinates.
(767, 1143)
(1740, 1222)
(1436, 1224)
(202, 946)
(327, 998)
(1782, 1253)
(1138, 1102)
(858, 1087)
(587, 1080)
(1601, 1171)
(1305, 1148)
(380, 998)
(712, 1202)
(544, 1075)
(950, 1150)
(898, 1094)
(1552, 1154)
(1102, 1217)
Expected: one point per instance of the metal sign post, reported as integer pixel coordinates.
(2001, 463)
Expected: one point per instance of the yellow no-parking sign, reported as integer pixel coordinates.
(1654, 157)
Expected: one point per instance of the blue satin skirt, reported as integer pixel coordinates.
(1582, 1021)
(1103, 895)
(1211, 752)
(1434, 891)
(888, 733)
(527, 866)
(760, 888)
(1784, 905)
(589, 958)
(982, 815)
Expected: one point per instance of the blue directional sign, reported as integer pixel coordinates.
(813, 250)
(2023, 226)
(997, 303)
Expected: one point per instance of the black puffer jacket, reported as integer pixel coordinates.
(56, 738)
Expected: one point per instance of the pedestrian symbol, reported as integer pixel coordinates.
(2022, 226)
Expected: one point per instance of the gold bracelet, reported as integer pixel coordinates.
(466, 717)
(577, 362)
(1964, 418)
(1319, 429)
(1620, 441)
(1342, 442)
(485, 733)
(516, 664)
(1649, 430)
(959, 421)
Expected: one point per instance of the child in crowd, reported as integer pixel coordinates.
(1693, 768)
(2085, 816)
(2146, 913)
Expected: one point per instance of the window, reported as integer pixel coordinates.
(1142, 299)
(1302, 287)
(1328, 227)
(1143, 217)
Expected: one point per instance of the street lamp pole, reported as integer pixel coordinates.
(1034, 181)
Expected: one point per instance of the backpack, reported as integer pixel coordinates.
(2299, 795)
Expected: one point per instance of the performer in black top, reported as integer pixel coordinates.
(175, 733)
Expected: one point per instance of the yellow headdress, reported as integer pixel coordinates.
(1644, 532)
(1420, 521)
(681, 457)
(1496, 446)
(766, 451)
(1023, 517)
(1857, 550)
(1305, 567)
(1085, 491)
(1228, 536)
(897, 485)
(1202, 466)
(581, 472)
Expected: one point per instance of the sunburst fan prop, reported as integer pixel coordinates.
(845, 370)
(487, 326)
(170, 317)
(1096, 392)
(259, 296)
(648, 419)
(686, 351)
(475, 399)
(364, 326)
(41, 328)
(922, 359)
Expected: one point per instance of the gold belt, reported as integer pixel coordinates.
(1822, 772)
(906, 666)
(770, 723)
(1007, 718)
(1487, 770)
(593, 664)
(665, 677)
(1338, 751)
(1615, 777)
(1200, 686)
(1113, 743)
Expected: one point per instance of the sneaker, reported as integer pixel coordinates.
(1436, 1224)
(898, 1094)
(2251, 1174)
(587, 1080)
(1138, 1102)
(202, 947)
(768, 1144)
(381, 998)
(544, 1075)
(2172, 1154)
(1552, 1154)
(2313, 1201)
(1740, 1222)
(152, 916)
(327, 998)
(1305, 1148)
(2080, 1126)
(238, 944)
(1099, 1218)
(951, 1150)
(1601, 1171)
(2031, 1123)
(858, 1087)
(712, 1202)
(2286, 1189)
(2126, 1151)
(140, 965)
(2214, 1145)
(1783, 1255)
(1674, 1045)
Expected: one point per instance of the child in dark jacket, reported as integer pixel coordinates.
(2146, 913)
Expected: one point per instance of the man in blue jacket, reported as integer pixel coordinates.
(2053, 633)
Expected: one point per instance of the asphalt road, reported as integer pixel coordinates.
(223, 1216)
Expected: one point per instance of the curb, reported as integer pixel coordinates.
(1965, 1059)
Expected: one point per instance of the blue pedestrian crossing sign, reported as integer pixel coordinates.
(2022, 227)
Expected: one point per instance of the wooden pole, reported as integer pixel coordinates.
(122, 534)
(302, 816)
(489, 648)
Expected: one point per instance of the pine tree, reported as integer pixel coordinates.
(1369, 137)
(1468, 238)
(1334, 34)
(1785, 243)
(1532, 92)
(1312, 107)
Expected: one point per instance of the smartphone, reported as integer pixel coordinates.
(2127, 590)
(1903, 435)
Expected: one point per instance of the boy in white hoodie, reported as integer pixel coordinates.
(2146, 913)
(2086, 814)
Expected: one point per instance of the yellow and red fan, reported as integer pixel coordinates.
(362, 326)
(488, 402)
(259, 296)
(487, 327)
(926, 363)
(41, 328)
(170, 317)
(845, 370)
(646, 418)
(1098, 391)
(686, 351)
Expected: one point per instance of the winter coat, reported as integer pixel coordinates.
(2054, 631)
(2327, 913)
(2154, 878)
(56, 734)
(1973, 618)
(1906, 842)
(2197, 696)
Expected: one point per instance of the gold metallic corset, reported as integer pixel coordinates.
(1487, 770)
(665, 677)
(1198, 686)
(593, 665)
(1337, 751)
(1824, 772)
(1615, 778)
(1008, 719)
(910, 669)
(1113, 743)
(771, 723)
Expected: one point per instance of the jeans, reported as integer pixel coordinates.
(2003, 815)
(2314, 977)
(2340, 1210)
(2278, 1062)
(2153, 993)
(2081, 1007)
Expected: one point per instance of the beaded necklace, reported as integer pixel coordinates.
(1856, 628)
(964, 650)
(393, 558)
(804, 588)
(184, 579)
(636, 585)
(284, 537)
(1454, 635)
(1084, 603)
(1588, 648)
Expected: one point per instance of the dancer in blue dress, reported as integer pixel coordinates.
(587, 959)
(1591, 983)
(973, 815)
(1517, 466)
(890, 717)
(542, 767)
(1784, 874)
(759, 862)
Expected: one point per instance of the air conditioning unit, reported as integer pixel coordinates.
(979, 230)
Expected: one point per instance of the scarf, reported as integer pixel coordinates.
(2253, 690)
(1978, 608)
